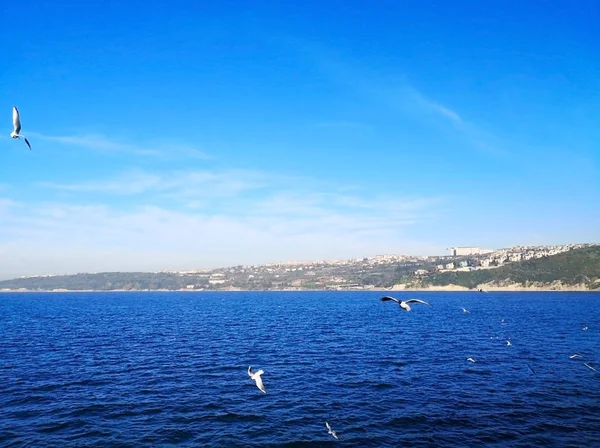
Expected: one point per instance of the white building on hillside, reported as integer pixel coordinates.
(468, 250)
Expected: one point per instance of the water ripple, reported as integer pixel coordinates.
(169, 369)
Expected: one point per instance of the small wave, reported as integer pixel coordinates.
(235, 417)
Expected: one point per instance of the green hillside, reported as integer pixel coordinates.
(575, 267)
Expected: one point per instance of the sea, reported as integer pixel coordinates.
(166, 369)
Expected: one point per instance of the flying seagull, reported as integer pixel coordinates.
(17, 127)
(256, 377)
(404, 304)
(587, 365)
(576, 355)
(464, 310)
(508, 343)
(331, 431)
(470, 359)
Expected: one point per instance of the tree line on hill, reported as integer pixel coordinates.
(575, 267)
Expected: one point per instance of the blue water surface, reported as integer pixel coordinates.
(170, 369)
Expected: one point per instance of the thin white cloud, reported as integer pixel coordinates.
(264, 225)
(101, 143)
(134, 182)
(396, 92)
(6, 204)
(192, 186)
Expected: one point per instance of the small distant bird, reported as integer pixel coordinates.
(587, 365)
(508, 344)
(576, 355)
(482, 290)
(17, 127)
(331, 431)
(465, 310)
(256, 377)
(470, 359)
(404, 304)
(585, 328)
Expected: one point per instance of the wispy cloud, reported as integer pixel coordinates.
(180, 185)
(101, 143)
(430, 105)
(256, 218)
(394, 91)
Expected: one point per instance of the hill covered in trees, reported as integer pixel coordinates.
(578, 267)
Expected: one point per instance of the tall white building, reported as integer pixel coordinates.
(467, 250)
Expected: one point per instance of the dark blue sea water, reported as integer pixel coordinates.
(169, 369)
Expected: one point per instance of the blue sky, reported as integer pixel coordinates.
(202, 134)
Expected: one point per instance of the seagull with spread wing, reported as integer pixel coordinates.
(331, 431)
(17, 126)
(404, 304)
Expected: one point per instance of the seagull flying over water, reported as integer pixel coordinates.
(508, 344)
(470, 359)
(17, 126)
(465, 310)
(576, 355)
(256, 377)
(404, 304)
(587, 365)
(331, 431)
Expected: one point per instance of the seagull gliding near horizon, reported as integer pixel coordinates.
(404, 304)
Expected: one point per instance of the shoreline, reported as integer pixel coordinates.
(452, 288)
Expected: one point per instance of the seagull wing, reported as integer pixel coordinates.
(259, 382)
(331, 431)
(27, 141)
(416, 301)
(16, 121)
(250, 371)
(387, 298)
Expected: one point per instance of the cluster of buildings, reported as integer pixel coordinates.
(488, 259)
(359, 273)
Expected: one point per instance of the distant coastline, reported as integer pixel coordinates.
(395, 288)
(568, 268)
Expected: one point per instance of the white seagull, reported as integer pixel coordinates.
(576, 355)
(508, 343)
(404, 304)
(256, 377)
(331, 431)
(17, 127)
(470, 359)
(587, 365)
(465, 310)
